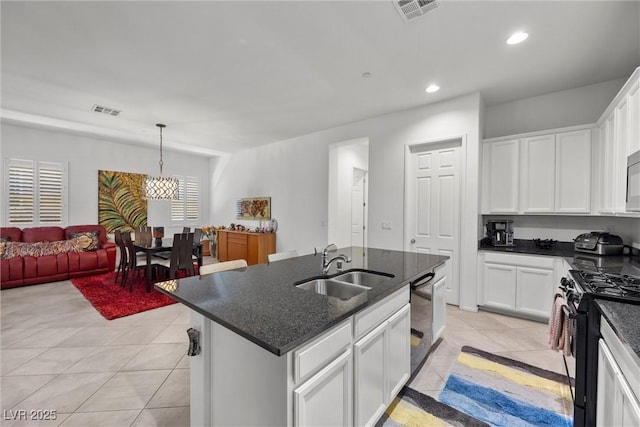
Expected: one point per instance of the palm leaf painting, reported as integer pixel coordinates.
(122, 204)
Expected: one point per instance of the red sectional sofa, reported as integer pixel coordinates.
(30, 270)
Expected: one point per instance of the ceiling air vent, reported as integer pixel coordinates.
(105, 110)
(411, 9)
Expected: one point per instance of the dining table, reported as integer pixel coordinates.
(153, 248)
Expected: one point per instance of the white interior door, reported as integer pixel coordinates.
(358, 206)
(432, 205)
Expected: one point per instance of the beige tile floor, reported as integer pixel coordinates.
(57, 353)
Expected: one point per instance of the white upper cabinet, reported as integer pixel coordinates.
(573, 172)
(501, 170)
(540, 173)
(618, 136)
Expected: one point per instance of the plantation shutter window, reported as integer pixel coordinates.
(36, 192)
(186, 209)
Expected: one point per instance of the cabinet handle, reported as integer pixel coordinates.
(194, 342)
(413, 241)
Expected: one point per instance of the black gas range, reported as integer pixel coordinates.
(582, 290)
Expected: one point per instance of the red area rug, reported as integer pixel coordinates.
(112, 301)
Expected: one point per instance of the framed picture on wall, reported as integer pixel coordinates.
(254, 208)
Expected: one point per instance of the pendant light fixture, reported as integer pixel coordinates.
(159, 187)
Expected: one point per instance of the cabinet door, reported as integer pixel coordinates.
(236, 246)
(630, 407)
(499, 285)
(326, 398)
(439, 310)
(399, 347)
(621, 147)
(538, 174)
(609, 409)
(634, 118)
(534, 291)
(573, 172)
(607, 155)
(222, 245)
(369, 379)
(503, 176)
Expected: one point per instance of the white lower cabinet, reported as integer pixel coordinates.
(438, 309)
(617, 404)
(517, 283)
(329, 388)
(381, 360)
(346, 376)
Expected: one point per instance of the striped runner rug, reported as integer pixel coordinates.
(486, 389)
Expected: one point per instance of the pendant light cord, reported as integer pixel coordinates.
(161, 126)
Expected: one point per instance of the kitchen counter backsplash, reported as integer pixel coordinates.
(561, 249)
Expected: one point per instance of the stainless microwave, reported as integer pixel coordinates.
(633, 182)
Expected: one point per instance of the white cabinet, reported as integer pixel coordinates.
(538, 173)
(501, 167)
(617, 405)
(354, 369)
(439, 308)
(517, 284)
(382, 365)
(573, 172)
(329, 388)
(619, 136)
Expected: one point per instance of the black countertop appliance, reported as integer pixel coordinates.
(599, 243)
(500, 232)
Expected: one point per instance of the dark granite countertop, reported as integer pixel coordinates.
(262, 304)
(624, 319)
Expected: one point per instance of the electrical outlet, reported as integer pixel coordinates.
(386, 225)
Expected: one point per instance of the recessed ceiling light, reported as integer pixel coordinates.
(432, 88)
(518, 37)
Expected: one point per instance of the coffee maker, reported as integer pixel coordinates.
(500, 232)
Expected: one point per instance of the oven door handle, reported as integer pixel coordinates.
(570, 311)
(422, 281)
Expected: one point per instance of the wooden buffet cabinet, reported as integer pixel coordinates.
(253, 247)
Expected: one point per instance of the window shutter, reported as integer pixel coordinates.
(36, 192)
(50, 191)
(186, 209)
(177, 205)
(192, 199)
(21, 192)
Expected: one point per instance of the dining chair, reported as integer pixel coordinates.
(135, 262)
(282, 255)
(122, 264)
(144, 237)
(181, 256)
(186, 230)
(222, 266)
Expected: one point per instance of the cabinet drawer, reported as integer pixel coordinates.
(373, 316)
(629, 368)
(519, 260)
(318, 353)
(237, 238)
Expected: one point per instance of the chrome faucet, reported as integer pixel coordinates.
(327, 263)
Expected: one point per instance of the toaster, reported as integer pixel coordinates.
(598, 243)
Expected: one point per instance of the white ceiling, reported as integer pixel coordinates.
(226, 76)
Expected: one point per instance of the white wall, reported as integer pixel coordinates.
(295, 174)
(571, 107)
(85, 156)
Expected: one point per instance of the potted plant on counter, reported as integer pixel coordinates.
(209, 233)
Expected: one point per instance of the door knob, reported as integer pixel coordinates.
(413, 241)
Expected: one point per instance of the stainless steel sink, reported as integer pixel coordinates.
(346, 285)
(333, 288)
(364, 278)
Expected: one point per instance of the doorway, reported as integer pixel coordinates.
(432, 204)
(359, 208)
(348, 173)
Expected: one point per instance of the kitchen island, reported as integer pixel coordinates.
(274, 354)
